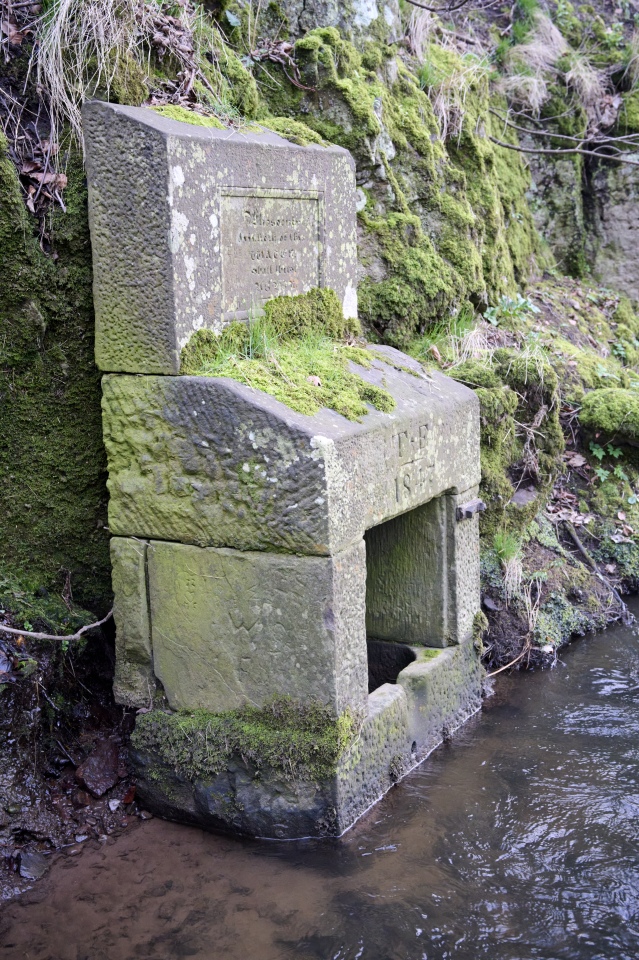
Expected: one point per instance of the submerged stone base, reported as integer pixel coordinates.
(405, 721)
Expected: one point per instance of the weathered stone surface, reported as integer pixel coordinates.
(409, 561)
(359, 19)
(212, 462)
(192, 227)
(404, 722)
(134, 682)
(99, 772)
(233, 628)
(613, 239)
(441, 693)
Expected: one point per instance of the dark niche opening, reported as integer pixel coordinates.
(385, 661)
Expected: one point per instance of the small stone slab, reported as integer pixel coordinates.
(99, 772)
(193, 227)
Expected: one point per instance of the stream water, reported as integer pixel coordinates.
(518, 840)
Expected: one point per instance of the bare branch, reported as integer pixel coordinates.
(631, 139)
(616, 157)
(53, 636)
(445, 9)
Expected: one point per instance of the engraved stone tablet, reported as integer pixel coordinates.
(271, 247)
(193, 227)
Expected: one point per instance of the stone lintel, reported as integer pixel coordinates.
(210, 461)
(192, 227)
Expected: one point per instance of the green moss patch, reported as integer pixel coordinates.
(299, 742)
(173, 112)
(296, 353)
(612, 411)
(52, 460)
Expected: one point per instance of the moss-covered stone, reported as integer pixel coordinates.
(296, 353)
(612, 411)
(174, 112)
(52, 462)
(297, 741)
(443, 222)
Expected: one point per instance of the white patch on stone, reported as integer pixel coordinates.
(349, 303)
(246, 468)
(365, 11)
(360, 203)
(179, 224)
(319, 501)
(322, 447)
(189, 266)
(177, 176)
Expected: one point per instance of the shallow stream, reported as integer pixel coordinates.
(519, 839)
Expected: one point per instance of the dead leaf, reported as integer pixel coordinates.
(574, 459)
(315, 381)
(611, 568)
(59, 180)
(621, 515)
(29, 166)
(435, 352)
(12, 32)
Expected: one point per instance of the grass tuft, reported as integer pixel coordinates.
(296, 352)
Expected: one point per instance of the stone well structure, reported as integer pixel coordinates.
(256, 549)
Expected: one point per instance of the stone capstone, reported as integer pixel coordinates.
(192, 227)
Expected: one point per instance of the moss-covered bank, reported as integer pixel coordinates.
(52, 462)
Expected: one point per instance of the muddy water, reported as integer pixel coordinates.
(520, 840)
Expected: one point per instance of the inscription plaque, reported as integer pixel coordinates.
(271, 246)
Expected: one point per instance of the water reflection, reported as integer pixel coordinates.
(516, 841)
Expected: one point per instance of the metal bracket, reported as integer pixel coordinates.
(468, 510)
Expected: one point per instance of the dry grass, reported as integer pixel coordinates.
(541, 51)
(448, 91)
(589, 84)
(527, 90)
(85, 44)
(530, 64)
(632, 66)
(471, 345)
(81, 45)
(421, 29)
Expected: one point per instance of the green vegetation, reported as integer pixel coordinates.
(296, 741)
(296, 353)
(173, 112)
(52, 462)
(614, 412)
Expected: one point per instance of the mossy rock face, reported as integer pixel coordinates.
(52, 460)
(441, 222)
(516, 396)
(614, 412)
